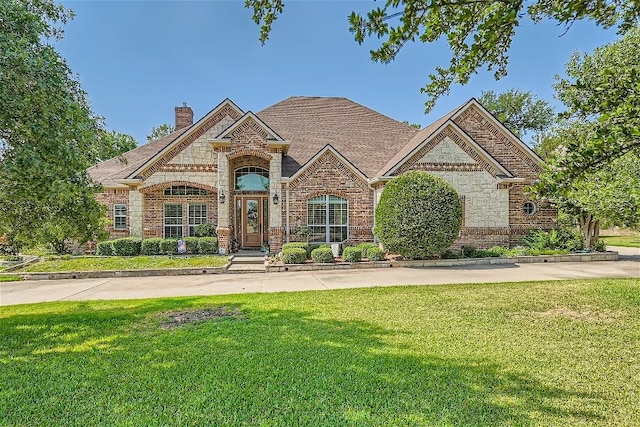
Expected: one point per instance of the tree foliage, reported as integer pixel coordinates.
(521, 112)
(603, 88)
(419, 215)
(48, 132)
(479, 32)
(160, 131)
(610, 195)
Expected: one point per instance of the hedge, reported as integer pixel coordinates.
(375, 254)
(192, 245)
(294, 255)
(151, 246)
(304, 245)
(419, 215)
(351, 254)
(169, 246)
(208, 245)
(364, 248)
(322, 255)
(104, 248)
(127, 246)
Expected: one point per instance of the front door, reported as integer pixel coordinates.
(252, 220)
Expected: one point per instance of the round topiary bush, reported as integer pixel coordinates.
(351, 254)
(375, 254)
(322, 255)
(419, 215)
(303, 245)
(294, 256)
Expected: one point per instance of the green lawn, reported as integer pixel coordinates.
(629, 241)
(561, 353)
(10, 279)
(124, 263)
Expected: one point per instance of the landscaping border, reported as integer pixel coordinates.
(106, 274)
(586, 257)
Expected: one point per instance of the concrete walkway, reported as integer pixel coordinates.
(218, 284)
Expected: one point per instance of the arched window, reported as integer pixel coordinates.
(252, 179)
(530, 208)
(184, 190)
(328, 219)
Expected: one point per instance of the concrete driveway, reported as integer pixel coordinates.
(218, 284)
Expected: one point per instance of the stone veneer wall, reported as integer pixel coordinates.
(329, 175)
(109, 197)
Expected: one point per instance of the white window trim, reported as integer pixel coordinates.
(191, 226)
(115, 216)
(164, 220)
(327, 226)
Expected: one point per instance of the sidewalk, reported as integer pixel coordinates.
(219, 284)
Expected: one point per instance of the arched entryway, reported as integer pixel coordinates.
(250, 210)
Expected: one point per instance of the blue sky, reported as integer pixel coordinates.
(137, 60)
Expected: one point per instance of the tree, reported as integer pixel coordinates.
(521, 112)
(413, 125)
(479, 32)
(604, 88)
(160, 131)
(48, 132)
(118, 143)
(610, 195)
(419, 215)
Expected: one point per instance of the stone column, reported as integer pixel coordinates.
(275, 210)
(223, 231)
(136, 209)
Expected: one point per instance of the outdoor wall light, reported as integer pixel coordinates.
(275, 198)
(222, 197)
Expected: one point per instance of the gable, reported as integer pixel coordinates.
(329, 170)
(450, 149)
(498, 141)
(447, 151)
(215, 121)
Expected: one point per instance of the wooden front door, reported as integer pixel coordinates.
(252, 219)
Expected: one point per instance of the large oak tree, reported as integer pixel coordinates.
(48, 133)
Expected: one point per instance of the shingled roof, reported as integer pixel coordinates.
(110, 172)
(365, 137)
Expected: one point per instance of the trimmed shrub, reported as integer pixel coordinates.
(322, 255)
(192, 245)
(469, 251)
(169, 246)
(294, 255)
(205, 230)
(351, 254)
(375, 254)
(127, 246)
(151, 246)
(364, 247)
(313, 246)
(104, 248)
(418, 216)
(303, 245)
(208, 245)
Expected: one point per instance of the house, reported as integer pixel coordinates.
(320, 163)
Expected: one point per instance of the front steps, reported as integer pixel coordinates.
(247, 262)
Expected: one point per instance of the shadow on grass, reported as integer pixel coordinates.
(108, 365)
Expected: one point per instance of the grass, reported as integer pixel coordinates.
(632, 241)
(540, 353)
(67, 263)
(10, 278)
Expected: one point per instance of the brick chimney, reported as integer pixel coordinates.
(184, 116)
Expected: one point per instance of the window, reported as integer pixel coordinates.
(530, 208)
(120, 216)
(197, 216)
(252, 179)
(184, 190)
(327, 218)
(172, 221)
